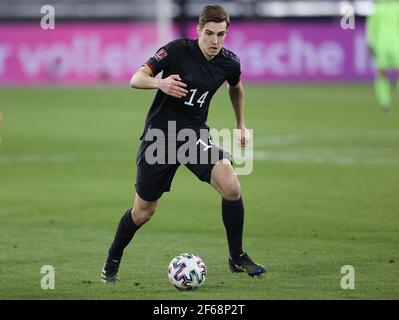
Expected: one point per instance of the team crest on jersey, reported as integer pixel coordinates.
(160, 54)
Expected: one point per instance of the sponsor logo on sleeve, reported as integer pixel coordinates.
(160, 54)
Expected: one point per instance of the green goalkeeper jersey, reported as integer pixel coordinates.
(383, 26)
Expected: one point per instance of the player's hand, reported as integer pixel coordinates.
(243, 137)
(173, 86)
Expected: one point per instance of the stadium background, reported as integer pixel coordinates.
(322, 194)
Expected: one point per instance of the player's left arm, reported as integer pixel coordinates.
(236, 94)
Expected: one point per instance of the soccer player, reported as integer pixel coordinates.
(382, 30)
(193, 70)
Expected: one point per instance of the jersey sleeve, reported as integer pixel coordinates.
(234, 77)
(160, 60)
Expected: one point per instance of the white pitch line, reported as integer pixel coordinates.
(336, 158)
(323, 159)
(296, 153)
(295, 139)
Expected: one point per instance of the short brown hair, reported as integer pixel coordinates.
(213, 13)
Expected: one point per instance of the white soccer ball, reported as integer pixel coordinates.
(187, 271)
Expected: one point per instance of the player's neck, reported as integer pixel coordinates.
(205, 55)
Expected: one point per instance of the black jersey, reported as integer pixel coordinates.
(202, 77)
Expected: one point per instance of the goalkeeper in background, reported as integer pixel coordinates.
(382, 31)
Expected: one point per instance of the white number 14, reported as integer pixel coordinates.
(200, 101)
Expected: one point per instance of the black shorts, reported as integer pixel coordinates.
(156, 166)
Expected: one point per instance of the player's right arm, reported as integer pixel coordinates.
(172, 85)
(145, 76)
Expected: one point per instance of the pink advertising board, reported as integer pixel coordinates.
(91, 53)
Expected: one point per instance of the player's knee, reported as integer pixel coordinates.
(232, 191)
(146, 216)
(141, 216)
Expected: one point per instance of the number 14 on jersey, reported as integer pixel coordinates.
(200, 101)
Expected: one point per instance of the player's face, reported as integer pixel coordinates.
(211, 38)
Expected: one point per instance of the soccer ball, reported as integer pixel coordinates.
(187, 271)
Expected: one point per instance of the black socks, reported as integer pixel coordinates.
(233, 220)
(124, 234)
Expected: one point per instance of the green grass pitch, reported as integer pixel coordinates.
(323, 194)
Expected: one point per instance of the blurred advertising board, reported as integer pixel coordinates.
(93, 53)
